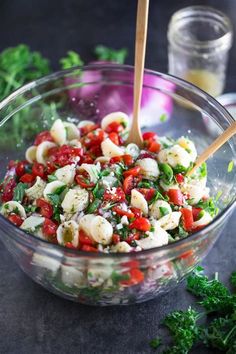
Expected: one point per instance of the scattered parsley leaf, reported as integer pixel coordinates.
(108, 54)
(72, 59)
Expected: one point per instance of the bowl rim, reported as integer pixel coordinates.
(100, 255)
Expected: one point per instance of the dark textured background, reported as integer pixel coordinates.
(31, 319)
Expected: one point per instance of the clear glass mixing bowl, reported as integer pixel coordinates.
(170, 107)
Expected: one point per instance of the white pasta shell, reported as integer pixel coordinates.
(71, 276)
(30, 154)
(175, 155)
(149, 167)
(205, 219)
(167, 187)
(76, 143)
(85, 223)
(68, 232)
(119, 117)
(92, 170)
(72, 131)
(49, 263)
(51, 188)
(195, 188)
(75, 200)
(83, 123)
(155, 239)
(109, 149)
(32, 223)
(169, 221)
(42, 151)
(66, 174)
(155, 208)
(13, 207)
(138, 201)
(36, 191)
(101, 230)
(102, 159)
(133, 150)
(121, 247)
(58, 132)
(189, 145)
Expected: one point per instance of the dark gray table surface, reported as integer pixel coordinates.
(31, 319)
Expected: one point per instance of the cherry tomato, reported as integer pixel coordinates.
(149, 135)
(84, 239)
(128, 184)
(148, 193)
(179, 178)
(142, 224)
(86, 158)
(117, 196)
(114, 137)
(46, 209)
(195, 212)
(114, 127)
(27, 178)
(137, 212)
(126, 159)
(135, 277)
(132, 171)
(8, 190)
(122, 212)
(175, 196)
(83, 182)
(38, 170)
(20, 168)
(88, 248)
(187, 218)
(69, 245)
(49, 227)
(115, 238)
(94, 138)
(88, 128)
(154, 146)
(64, 155)
(15, 219)
(43, 136)
(95, 151)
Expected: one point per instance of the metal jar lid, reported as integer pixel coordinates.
(228, 100)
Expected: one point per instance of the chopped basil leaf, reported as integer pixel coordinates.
(144, 184)
(55, 199)
(157, 196)
(30, 208)
(52, 178)
(59, 190)
(104, 173)
(203, 170)
(167, 172)
(182, 232)
(98, 191)
(180, 169)
(164, 211)
(208, 205)
(19, 192)
(230, 166)
(93, 206)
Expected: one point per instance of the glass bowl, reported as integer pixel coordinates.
(170, 107)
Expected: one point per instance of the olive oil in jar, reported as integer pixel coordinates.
(206, 80)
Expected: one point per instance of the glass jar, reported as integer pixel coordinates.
(199, 41)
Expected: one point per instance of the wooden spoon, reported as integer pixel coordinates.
(135, 135)
(228, 133)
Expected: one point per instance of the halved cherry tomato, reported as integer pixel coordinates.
(84, 239)
(64, 155)
(69, 245)
(43, 136)
(137, 212)
(195, 212)
(175, 196)
(49, 227)
(117, 196)
(95, 151)
(83, 182)
(128, 184)
(8, 190)
(114, 127)
(114, 137)
(46, 209)
(20, 168)
(126, 159)
(15, 219)
(88, 248)
(115, 238)
(154, 146)
(187, 218)
(132, 171)
(122, 212)
(142, 224)
(86, 158)
(149, 135)
(27, 178)
(94, 138)
(88, 128)
(38, 170)
(135, 277)
(148, 193)
(179, 178)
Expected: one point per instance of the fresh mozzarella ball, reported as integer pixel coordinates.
(149, 167)
(51, 188)
(42, 151)
(68, 232)
(84, 123)
(36, 191)
(92, 170)
(155, 239)
(175, 155)
(58, 132)
(138, 201)
(133, 150)
(169, 221)
(30, 154)
(66, 174)
(204, 220)
(75, 200)
(101, 230)
(72, 132)
(109, 149)
(189, 146)
(121, 247)
(97, 276)
(85, 223)
(13, 207)
(118, 117)
(195, 188)
(167, 187)
(32, 223)
(71, 276)
(155, 208)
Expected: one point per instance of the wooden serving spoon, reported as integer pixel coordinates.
(228, 133)
(135, 135)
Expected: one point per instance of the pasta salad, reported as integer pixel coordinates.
(82, 187)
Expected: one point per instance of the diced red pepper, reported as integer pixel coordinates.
(38, 170)
(137, 212)
(132, 171)
(148, 193)
(94, 138)
(175, 196)
(142, 224)
(43, 136)
(126, 159)
(117, 196)
(154, 146)
(88, 128)
(187, 218)
(15, 219)
(49, 227)
(179, 178)
(122, 212)
(135, 277)
(46, 209)
(84, 239)
(27, 178)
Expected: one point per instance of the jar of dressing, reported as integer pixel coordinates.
(199, 40)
